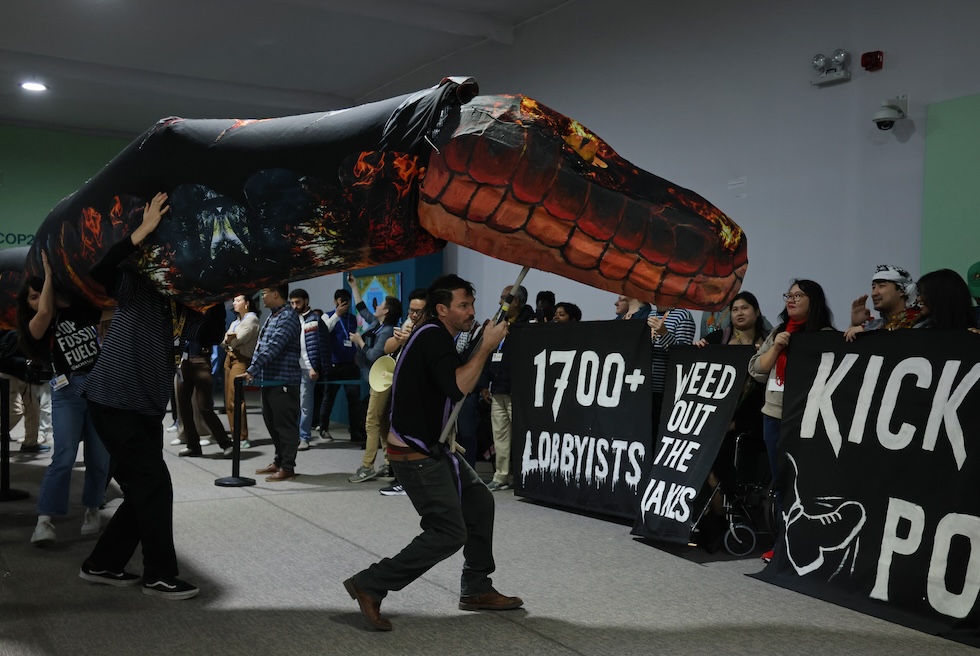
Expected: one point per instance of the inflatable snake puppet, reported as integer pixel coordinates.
(260, 202)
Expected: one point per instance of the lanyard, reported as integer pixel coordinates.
(179, 318)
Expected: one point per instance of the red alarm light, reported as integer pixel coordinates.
(873, 61)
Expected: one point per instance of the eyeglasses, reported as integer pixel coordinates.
(794, 297)
(416, 312)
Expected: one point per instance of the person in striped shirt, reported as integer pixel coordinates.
(127, 393)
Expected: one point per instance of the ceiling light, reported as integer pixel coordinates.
(33, 85)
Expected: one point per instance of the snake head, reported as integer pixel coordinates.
(523, 183)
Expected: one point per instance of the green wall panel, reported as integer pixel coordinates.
(951, 189)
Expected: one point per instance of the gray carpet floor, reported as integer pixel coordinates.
(270, 561)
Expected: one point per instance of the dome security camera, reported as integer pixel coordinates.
(891, 110)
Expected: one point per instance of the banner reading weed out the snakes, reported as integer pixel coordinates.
(701, 393)
(581, 413)
(880, 475)
(260, 202)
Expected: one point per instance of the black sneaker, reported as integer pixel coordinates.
(170, 589)
(118, 579)
(395, 490)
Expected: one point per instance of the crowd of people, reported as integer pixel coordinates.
(109, 391)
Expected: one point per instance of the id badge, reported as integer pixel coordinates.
(497, 356)
(59, 381)
(348, 343)
(774, 385)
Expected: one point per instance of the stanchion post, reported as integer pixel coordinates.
(6, 494)
(236, 480)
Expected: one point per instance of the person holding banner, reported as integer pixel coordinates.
(567, 313)
(945, 302)
(674, 327)
(893, 295)
(973, 283)
(631, 308)
(746, 327)
(806, 310)
(456, 507)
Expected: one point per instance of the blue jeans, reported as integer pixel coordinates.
(72, 424)
(306, 409)
(452, 518)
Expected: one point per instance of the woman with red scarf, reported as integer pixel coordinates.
(806, 309)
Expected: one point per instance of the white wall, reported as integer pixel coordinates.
(702, 93)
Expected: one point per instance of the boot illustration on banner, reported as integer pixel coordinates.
(810, 536)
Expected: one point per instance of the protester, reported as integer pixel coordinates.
(127, 392)
(945, 301)
(67, 337)
(806, 310)
(631, 308)
(544, 306)
(893, 295)
(456, 508)
(567, 313)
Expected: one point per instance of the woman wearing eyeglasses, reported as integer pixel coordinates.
(806, 310)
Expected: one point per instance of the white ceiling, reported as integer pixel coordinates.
(116, 66)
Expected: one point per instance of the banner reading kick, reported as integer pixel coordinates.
(880, 473)
(701, 393)
(581, 422)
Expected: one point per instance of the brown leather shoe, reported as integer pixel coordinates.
(370, 608)
(492, 600)
(282, 475)
(271, 469)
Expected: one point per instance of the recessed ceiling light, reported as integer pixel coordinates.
(33, 86)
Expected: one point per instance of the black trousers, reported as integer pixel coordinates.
(197, 382)
(280, 410)
(135, 442)
(355, 414)
(456, 513)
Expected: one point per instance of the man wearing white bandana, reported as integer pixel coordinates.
(893, 295)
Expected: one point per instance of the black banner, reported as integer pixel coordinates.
(701, 393)
(581, 403)
(880, 474)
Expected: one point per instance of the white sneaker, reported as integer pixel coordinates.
(205, 441)
(92, 523)
(228, 451)
(173, 428)
(304, 445)
(177, 442)
(43, 533)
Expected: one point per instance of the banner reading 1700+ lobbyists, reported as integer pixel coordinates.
(581, 413)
